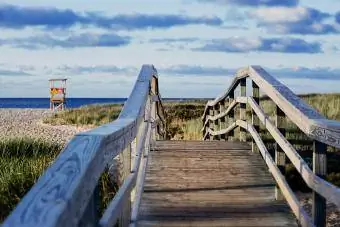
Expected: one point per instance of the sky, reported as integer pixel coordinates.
(195, 45)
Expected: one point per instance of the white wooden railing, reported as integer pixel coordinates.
(67, 193)
(219, 123)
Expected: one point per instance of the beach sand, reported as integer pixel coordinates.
(28, 123)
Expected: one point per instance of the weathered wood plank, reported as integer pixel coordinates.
(243, 83)
(293, 202)
(320, 169)
(124, 219)
(255, 120)
(216, 125)
(217, 187)
(231, 116)
(324, 188)
(230, 108)
(305, 117)
(221, 121)
(280, 156)
(63, 192)
(134, 106)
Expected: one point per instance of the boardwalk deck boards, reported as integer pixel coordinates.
(211, 183)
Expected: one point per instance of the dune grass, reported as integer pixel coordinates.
(23, 160)
(91, 115)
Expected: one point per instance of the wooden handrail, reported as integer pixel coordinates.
(306, 118)
(64, 194)
(293, 202)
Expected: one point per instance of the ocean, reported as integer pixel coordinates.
(43, 103)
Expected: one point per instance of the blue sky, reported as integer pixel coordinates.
(196, 45)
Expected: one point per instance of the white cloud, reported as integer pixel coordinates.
(280, 14)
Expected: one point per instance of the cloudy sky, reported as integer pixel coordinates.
(196, 45)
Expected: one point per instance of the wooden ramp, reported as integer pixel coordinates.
(209, 183)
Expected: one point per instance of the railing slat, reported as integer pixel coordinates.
(293, 202)
(125, 171)
(113, 212)
(243, 84)
(255, 119)
(216, 122)
(140, 180)
(305, 117)
(320, 169)
(280, 156)
(231, 114)
(313, 124)
(211, 124)
(221, 121)
(329, 191)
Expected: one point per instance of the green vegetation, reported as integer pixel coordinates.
(93, 115)
(22, 160)
(184, 120)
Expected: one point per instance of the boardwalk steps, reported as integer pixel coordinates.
(210, 183)
(189, 183)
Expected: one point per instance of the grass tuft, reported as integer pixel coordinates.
(92, 115)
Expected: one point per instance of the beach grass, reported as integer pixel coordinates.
(91, 115)
(23, 160)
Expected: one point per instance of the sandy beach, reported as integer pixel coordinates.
(28, 123)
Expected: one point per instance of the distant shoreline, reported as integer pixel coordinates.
(44, 103)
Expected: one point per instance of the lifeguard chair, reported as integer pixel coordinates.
(58, 94)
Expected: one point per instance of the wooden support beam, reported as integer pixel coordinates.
(211, 124)
(221, 121)
(243, 84)
(280, 156)
(126, 170)
(320, 169)
(255, 118)
(231, 116)
(216, 122)
(91, 213)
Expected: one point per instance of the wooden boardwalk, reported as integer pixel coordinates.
(209, 183)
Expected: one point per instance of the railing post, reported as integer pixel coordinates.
(243, 84)
(211, 124)
(320, 169)
(221, 122)
(280, 156)
(231, 116)
(204, 127)
(91, 213)
(255, 118)
(126, 170)
(216, 122)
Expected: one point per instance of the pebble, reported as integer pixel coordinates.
(29, 123)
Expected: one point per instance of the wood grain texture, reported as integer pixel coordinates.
(254, 118)
(320, 169)
(280, 156)
(324, 188)
(220, 115)
(243, 93)
(62, 194)
(293, 202)
(213, 183)
(305, 117)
